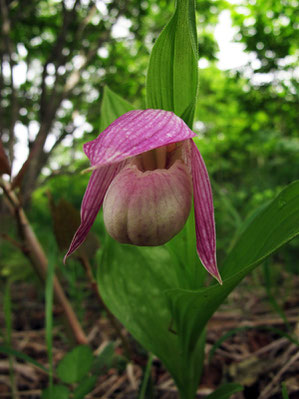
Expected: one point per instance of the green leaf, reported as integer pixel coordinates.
(56, 392)
(85, 387)
(225, 391)
(113, 106)
(9, 351)
(284, 391)
(190, 272)
(104, 361)
(172, 74)
(272, 227)
(132, 282)
(75, 364)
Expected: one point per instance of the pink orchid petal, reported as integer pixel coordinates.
(134, 133)
(92, 201)
(204, 214)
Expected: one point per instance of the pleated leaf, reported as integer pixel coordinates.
(172, 74)
(132, 282)
(269, 229)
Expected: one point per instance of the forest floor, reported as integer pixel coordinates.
(257, 352)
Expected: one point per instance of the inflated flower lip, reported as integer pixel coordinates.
(123, 151)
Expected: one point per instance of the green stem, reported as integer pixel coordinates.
(146, 377)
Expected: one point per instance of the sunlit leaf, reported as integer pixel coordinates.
(172, 73)
(113, 106)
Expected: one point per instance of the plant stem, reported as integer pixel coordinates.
(146, 377)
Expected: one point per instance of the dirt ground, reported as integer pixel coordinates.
(257, 355)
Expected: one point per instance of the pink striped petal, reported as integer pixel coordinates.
(134, 133)
(204, 214)
(92, 201)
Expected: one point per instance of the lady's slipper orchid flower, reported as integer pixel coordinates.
(145, 166)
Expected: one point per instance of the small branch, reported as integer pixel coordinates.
(12, 241)
(63, 171)
(69, 130)
(56, 56)
(35, 161)
(266, 392)
(92, 11)
(76, 74)
(34, 252)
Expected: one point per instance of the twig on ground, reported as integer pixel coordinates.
(266, 392)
